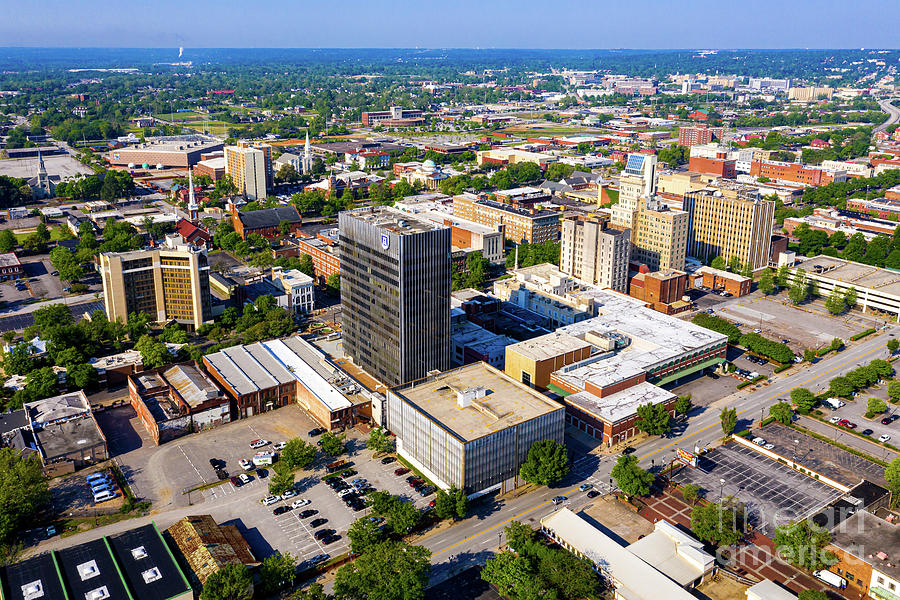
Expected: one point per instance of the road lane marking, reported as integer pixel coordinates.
(699, 431)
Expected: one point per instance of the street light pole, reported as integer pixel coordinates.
(721, 489)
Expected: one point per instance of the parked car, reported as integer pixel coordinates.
(426, 491)
(401, 471)
(358, 480)
(289, 494)
(245, 464)
(883, 438)
(102, 476)
(344, 492)
(300, 502)
(51, 531)
(217, 463)
(236, 482)
(262, 473)
(759, 441)
(259, 443)
(349, 473)
(279, 446)
(269, 500)
(387, 460)
(245, 478)
(559, 500)
(593, 494)
(834, 420)
(318, 522)
(319, 558)
(867, 432)
(104, 496)
(314, 432)
(323, 533)
(330, 539)
(308, 513)
(281, 510)
(889, 419)
(585, 487)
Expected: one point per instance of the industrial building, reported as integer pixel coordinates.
(169, 151)
(471, 427)
(876, 288)
(65, 433)
(729, 220)
(267, 375)
(207, 546)
(175, 401)
(135, 564)
(168, 283)
(395, 293)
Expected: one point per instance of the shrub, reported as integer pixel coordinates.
(862, 334)
(718, 324)
(766, 347)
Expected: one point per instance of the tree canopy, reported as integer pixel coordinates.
(547, 463)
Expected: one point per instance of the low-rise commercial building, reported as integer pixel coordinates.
(662, 290)
(396, 116)
(170, 151)
(718, 167)
(724, 281)
(10, 267)
(175, 401)
(298, 287)
(65, 433)
(511, 156)
(267, 375)
(693, 136)
(471, 427)
(661, 565)
(207, 546)
(473, 343)
(795, 173)
(533, 361)
(267, 222)
(876, 289)
(469, 235)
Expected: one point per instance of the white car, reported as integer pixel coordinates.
(759, 441)
(300, 502)
(244, 478)
(883, 437)
(245, 464)
(345, 492)
(834, 420)
(769, 446)
(268, 500)
(259, 443)
(289, 494)
(279, 446)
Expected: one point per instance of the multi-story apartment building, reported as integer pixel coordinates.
(325, 254)
(728, 219)
(395, 293)
(596, 253)
(520, 224)
(247, 168)
(168, 283)
(694, 136)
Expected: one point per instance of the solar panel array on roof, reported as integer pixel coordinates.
(635, 164)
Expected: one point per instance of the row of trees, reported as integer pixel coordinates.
(880, 251)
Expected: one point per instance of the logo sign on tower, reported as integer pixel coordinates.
(385, 241)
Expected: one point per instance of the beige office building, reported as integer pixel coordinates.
(168, 283)
(659, 238)
(519, 224)
(658, 234)
(595, 252)
(729, 219)
(247, 168)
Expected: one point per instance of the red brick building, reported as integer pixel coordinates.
(713, 166)
(792, 172)
(663, 290)
(695, 136)
(266, 222)
(192, 233)
(324, 254)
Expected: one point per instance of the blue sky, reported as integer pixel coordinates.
(452, 23)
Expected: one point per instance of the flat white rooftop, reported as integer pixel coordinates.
(620, 405)
(549, 346)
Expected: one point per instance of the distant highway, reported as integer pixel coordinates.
(893, 114)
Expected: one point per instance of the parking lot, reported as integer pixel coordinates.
(773, 493)
(855, 410)
(164, 474)
(802, 328)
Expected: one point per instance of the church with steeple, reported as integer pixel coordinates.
(43, 185)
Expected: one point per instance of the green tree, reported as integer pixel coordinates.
(402, 517)
(683, 404)
(653, 419)
(380, 441)
(766, 283)
(850, 297)
(512, 575)
(718, 263)
(841, 386)
(518, 535)
(137, 325)
(570, 576)
(893, 345)
(547, 463)
(277, 572)
(19, 361)
(691, 493)
(23, 490)
(799, 290)
(783, 277)
(781, 412)
(41, 383)
(333, 284)
(804, 399)
(298, 454)
(837, 344)
(282, 480)
(8, 241)
(388, 571)
(809, 355)
(154, 354)
(231, 582)
(802, 544)
(894, 391)
(630, 478)
(333, 443)
(812, 595)
(720, 524)
(835, 303)
(728, 418)
(83, 376)
(875, 406)
(451, 504)
(364, 535)
(892, 476)
(306, 265)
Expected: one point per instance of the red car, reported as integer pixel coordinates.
(847, 424)
(401, 471)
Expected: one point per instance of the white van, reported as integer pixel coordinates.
(834, 403)
(831, 579)
(101, 476)
(96, 489)
(104, 496)
(263, 459)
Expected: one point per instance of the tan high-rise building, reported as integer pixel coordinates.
(168, 283)
(595, 252)
(658, 234)
(729, 219)
(519, 224)
(247, 168)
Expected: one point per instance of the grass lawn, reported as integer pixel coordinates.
(60, 232)
(179, 116)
